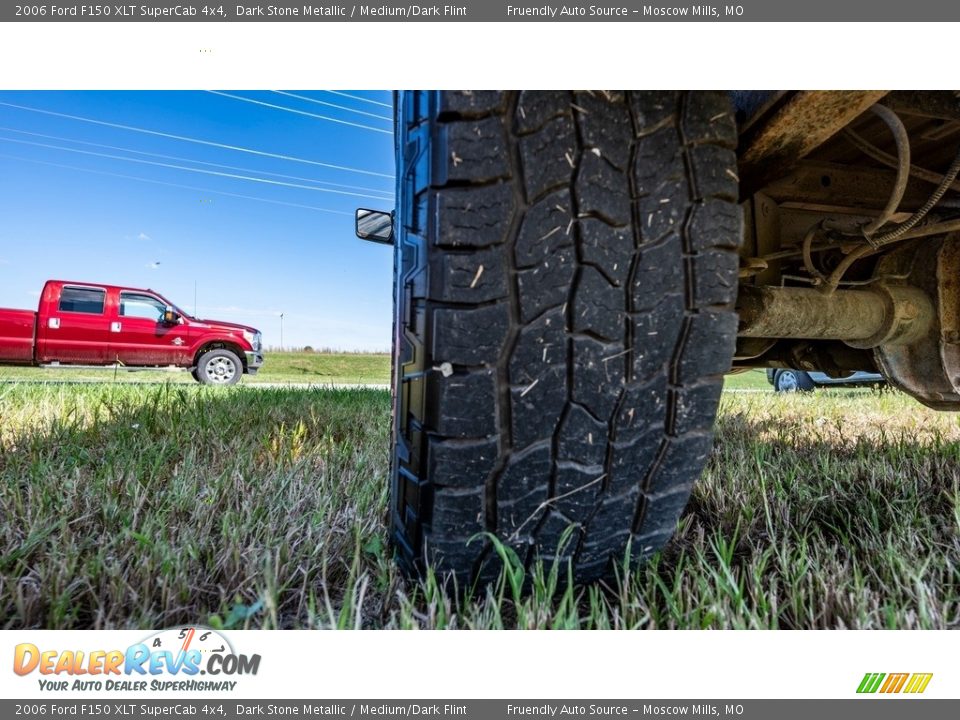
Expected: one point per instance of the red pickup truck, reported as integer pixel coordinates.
(89, 325)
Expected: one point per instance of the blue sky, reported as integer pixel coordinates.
(83, 216)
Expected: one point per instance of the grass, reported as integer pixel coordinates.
(749, 380)
(153, 505)
(280, 367)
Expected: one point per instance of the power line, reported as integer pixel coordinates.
(175, 185)
(388, 193)
(357, 97)
(209, 143)
(216, 173)
(299, 112)
(333, 105)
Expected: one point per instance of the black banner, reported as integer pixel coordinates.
(873, 708)
(485, 11)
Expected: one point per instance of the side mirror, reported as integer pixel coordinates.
(170, 316)
(375, 225)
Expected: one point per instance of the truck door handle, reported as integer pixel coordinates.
(114, 327)
(53, 323)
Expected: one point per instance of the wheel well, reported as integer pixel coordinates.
(221, 345)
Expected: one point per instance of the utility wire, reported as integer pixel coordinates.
(387, 193)
(232, 176)
(299, 112)
(357, 97)
(175, 185)
(333, 105)
(208, 143)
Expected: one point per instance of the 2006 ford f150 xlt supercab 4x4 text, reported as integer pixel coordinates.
(89, 325)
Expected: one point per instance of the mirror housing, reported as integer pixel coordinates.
(375, 226)
(170, 316)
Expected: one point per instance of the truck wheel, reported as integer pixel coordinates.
(792, 381)
(566, 270)
(219, 367)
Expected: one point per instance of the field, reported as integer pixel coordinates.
(150, 505)
(280, 367)
(750, 380)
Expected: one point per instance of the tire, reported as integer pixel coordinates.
(792, 381)
(566, 268)
(214, 368)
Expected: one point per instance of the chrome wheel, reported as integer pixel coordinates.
(787, 381)
(220, 370)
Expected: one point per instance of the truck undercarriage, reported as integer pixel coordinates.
(850, 258)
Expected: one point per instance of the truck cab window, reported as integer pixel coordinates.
(141, 306)
(82, 300)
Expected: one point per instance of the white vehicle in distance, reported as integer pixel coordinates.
(788, 380)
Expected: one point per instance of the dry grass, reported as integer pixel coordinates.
(148, 506)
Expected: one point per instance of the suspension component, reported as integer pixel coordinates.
(881, 315)
(928, 369)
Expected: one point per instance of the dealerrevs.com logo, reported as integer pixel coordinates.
(891, 683)
(170, 660)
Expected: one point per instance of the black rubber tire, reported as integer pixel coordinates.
(210, 356)
(800, 383)
(566, 272)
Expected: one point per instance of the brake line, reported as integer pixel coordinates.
(871, 150)
(875, 242)
(903, 168)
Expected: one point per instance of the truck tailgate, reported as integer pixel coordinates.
(17, 331)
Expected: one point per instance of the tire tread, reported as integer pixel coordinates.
(570, 261)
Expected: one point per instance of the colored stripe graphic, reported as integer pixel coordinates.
(918, 682)
(893, 683)
(870, 682)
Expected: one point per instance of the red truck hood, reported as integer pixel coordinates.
(222, 325)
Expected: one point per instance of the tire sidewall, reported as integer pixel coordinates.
(796, 381)
(208, 357)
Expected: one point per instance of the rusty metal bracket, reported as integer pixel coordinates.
(929, 368)
(803, 123)
(842, 188)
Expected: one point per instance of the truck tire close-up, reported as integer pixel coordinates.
(566, 271)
